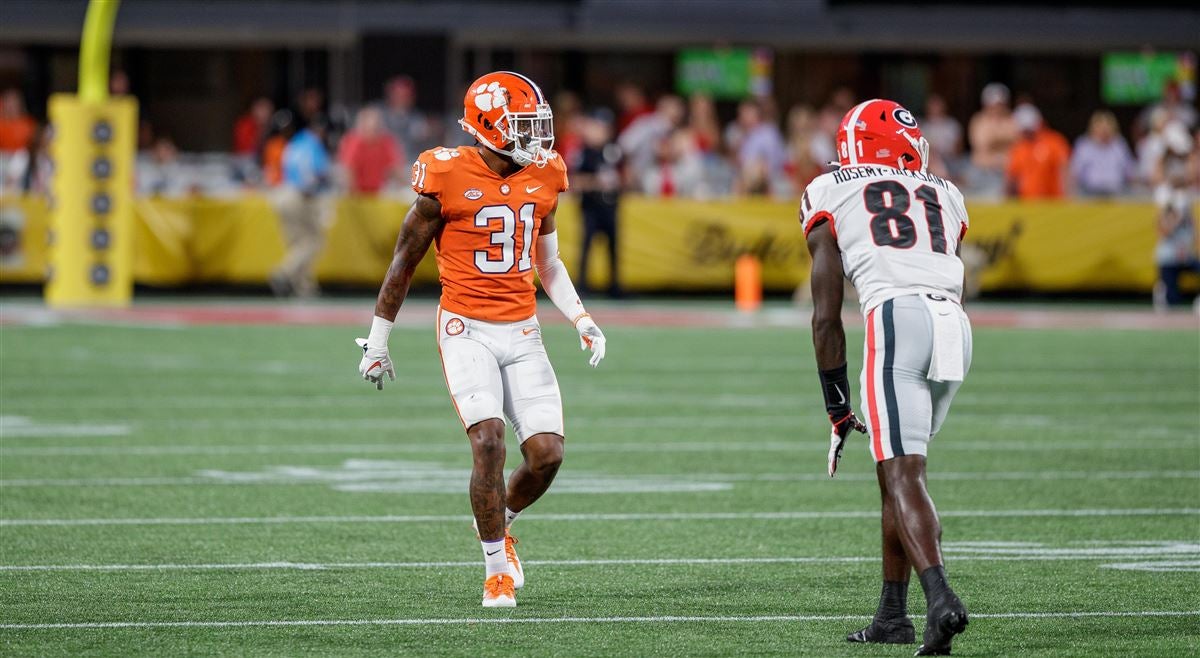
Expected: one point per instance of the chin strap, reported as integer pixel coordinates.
(519, 156)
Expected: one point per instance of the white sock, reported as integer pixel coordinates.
(494, 558)
(509, 517)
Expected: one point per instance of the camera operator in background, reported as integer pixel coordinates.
(304, 206)
(597, 177)
(1176, 251)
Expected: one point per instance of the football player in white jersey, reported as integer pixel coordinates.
(893, 229)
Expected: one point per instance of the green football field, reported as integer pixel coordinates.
(169, 489)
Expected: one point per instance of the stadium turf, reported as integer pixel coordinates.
(236, 489)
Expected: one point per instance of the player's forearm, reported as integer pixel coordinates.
(556, 281)
(829, 336)
(829, 342)
(395, 287)
(422, 223)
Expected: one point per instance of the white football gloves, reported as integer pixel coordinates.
(590, 338)
(375, 363)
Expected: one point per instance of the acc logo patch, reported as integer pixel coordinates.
(473, 194)
(904, 117)
(454, 327)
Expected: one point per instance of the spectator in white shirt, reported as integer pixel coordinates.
(642, 139)
(762, 153)
(945, 135)
(1102, 164)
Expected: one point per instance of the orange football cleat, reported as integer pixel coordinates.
(514, 562)
(498, 592)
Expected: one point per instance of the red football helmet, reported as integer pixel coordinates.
(881, 132)
(508, 114)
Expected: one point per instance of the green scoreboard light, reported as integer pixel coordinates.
(723, 73)
(1138, 78)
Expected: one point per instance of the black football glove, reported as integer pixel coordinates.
(836, 387)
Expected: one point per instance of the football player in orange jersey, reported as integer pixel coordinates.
(490, 210)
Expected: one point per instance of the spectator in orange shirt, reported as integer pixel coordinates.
(369, 153)
(283, 126)
(251, 127)
(16, 127)
(1038, 162)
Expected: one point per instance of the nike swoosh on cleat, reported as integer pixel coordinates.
(531, 190)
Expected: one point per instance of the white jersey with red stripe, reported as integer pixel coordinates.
(898, 230)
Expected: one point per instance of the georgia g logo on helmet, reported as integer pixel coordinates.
(508, 114)
(904, 117)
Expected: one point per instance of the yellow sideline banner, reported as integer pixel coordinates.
(664, 244)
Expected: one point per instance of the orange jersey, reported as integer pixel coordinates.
(486, 251)
(1038, 165)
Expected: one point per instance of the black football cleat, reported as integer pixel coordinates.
(890, 631)
(946, 618)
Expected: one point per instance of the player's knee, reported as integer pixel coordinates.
(902, 473)
(547, 454)
(487, 439)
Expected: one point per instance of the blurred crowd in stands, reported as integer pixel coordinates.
(668, 146)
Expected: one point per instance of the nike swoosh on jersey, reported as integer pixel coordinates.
(531, 190)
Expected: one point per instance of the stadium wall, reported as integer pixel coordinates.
(666, 245)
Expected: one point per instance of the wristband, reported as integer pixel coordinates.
(836, 387)
(380, 330)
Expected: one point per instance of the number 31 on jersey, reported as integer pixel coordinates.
(503, 222)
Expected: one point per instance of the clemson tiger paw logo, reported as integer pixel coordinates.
(490, 96)
(443, 153)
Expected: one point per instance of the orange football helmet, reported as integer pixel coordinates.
(882, 132)
(508, 114)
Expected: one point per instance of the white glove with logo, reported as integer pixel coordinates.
(375, 362)
(590, 338)
(837, 438)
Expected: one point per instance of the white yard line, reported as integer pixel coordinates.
(573, 447)
(631, 397)
(663, 619)
(968, 476)
(319, 566)
(650, 516)
(1030, 555)
(728, 419)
